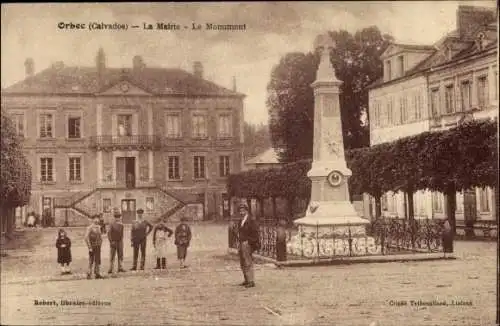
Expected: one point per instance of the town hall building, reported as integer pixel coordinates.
(100, 138)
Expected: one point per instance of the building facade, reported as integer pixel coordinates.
(427, 88)
(100, 138)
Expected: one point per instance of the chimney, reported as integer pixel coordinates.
(137, 63)
(58, 65)
(469, 18)
(198, 69)
(100, 62)
(29, 67)
(234, 84)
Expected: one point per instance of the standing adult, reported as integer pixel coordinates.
(248, 233)
(160, 234)
(139, 233)
(447, 237)
(115, 236)
(93, 240)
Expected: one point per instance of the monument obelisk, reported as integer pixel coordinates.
(330, 207)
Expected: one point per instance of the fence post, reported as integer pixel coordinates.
(281, 241)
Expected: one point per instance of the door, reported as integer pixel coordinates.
(128, 210)
(226, 208)
(47, 212)
(130, 171)
(470, 211)
(120, 171)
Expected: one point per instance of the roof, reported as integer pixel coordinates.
(60, 79)
(267, 157)
(415, 46)
(461, 48)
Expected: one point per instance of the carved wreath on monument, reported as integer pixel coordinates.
(331, 143)
(335, 178)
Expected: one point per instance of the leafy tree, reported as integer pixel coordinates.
(291, 105)
(256, 140)
(356, 59)
(15, 174)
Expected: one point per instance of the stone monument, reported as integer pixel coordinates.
(330, 218)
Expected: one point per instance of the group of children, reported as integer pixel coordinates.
(93, 241)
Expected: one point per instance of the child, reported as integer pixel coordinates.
(93, 240)
(182, 240)
(160, 234)
(63, 245)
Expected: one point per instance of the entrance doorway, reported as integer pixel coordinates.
(125, 171)
(128, 210)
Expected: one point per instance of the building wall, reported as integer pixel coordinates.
(382, 129)
(387, 126)
(99, 118)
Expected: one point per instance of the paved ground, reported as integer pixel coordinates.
(207, 294)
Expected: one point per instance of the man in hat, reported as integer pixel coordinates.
(115, 236)
(248, 233)
(139, 233)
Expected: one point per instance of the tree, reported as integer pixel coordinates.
(15, 174)
(291, 105)
(256, 140)
(356, 59)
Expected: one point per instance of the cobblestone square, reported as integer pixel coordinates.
(207, 292)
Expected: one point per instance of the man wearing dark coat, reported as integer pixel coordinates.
(115, 236)
(139, 233)
(248, 234)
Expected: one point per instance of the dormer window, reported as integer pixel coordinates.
(449, 53)
(401, 65)
(388, 70)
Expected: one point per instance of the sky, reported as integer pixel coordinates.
(272, 30)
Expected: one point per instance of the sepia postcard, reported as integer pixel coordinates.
(249, 163)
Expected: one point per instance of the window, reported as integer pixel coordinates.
(484, 202)
(199, 167)
(403, 105)
(106, 205)
(18, 121)
(389, 69)
(224, 166)
(449, 96)
(74, 128)
(419, 109)
(482, 92)
(46, 125)
(401, 63)
(465, 94)
(46, 169)
(199, 126)
(437, 202)
(224, 127)
(173, 126)
(173, 168)
(150, 203)
(124, 125)
(75, 169)
(435, 102)
(459, 202)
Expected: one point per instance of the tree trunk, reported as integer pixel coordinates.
(274, 207)
(411, 209)
(249, 204)
(378, 207)
(451, 204)
(290, 203)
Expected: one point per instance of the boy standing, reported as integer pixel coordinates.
(139, 233)
(182, 240)
(93, 240)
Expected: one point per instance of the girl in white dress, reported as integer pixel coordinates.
(160, 235)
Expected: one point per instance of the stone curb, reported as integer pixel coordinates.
(351, 260)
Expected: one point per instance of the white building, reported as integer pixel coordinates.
(426, 88)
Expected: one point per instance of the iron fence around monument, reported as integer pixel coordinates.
(391, 236)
